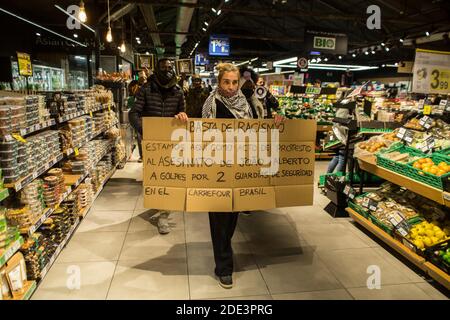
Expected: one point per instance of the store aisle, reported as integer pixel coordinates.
(289, 253)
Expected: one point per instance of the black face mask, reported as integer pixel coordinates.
(165, 77)
(247, 93)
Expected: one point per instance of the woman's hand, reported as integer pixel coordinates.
(279, 119)
(182, 116)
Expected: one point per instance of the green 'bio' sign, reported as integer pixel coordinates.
(324, 43)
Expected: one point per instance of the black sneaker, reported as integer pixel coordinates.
(140, 160)
(226, 282)
(246, 213)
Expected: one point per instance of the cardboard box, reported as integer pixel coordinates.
(159, 166)
(296, 164)
(164, 198)
(256, 198)
(214, 200)
(298, 130)
(295, 195)
(161, 129)
(206, 130)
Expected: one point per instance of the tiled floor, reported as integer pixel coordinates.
(287, 253)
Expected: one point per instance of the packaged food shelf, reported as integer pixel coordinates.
(10, 251)
(47, 213)
(58, 250)
(84, 212)
(68, 117)
(70, 151)
(369, 164)
(3, 194)
(32, 129)
(18, 185)
(433, 271)
(29, 288)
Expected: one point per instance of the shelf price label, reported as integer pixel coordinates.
(76, 152)
(427, 109)
(19, 138)
(349, 191)
(426, 122)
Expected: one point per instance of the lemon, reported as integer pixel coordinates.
(440, 235)
(419, 243)
(419, 237)
(427, 241)
(429, 227)
(429, 233)
(413, 234)
(436, 229)
(434, 240)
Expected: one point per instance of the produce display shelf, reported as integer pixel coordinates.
(29, 288)
(433, 271)
(85, 210)
(68, 117)
(32, 129)
(369, 164)
(70, 151)
(10, 251)
(3, 194)
(58, 250)
(47, 213)
(18, 185)
(324, 127)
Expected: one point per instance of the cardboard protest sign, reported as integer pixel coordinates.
(226, 165)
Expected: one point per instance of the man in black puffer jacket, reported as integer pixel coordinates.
(159, 97)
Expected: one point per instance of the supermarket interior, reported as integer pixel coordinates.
(120, 121)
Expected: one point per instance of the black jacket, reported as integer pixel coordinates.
(270, 103)
(154, 101)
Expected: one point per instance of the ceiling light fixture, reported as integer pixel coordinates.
(109, 37)
(204, 29)
(82, 13)
(387, 49)
(75, 35)
(366, 53)
(38, 34)
(206, 23)
(373, 51)
(383, 44)
(219, 12)
(75, 18)
(427, 33)
(213, 10)
(340, 57)
(353, 55)
(401, 40)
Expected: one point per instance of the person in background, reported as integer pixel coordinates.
(269, 102)
(133, 88)
(195, 98)
(208, 86)
(247, 86)
(159, 97)
(226, 102)
(337, 163)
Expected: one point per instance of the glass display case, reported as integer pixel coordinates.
(78, 80)
(44, 78)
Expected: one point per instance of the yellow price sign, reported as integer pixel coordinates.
(427, 109)
(440, 80)
(24, 63)
(76, 152)
(19, 138)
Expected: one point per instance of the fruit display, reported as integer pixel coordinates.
(427, 234)
(371, 146)
(400, 157)
(391, 136)
(439, 132)
(414, 124)
(427, 165)
(321, 110)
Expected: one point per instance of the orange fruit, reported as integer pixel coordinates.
(429, 160)
(417, 165)
(433, 170)
(426, 169)
(440, 173)
(423, 160)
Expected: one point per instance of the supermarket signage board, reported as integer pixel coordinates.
(24, 61)
(431, 72)
(326, 41)
(204, 165)
(219, 45)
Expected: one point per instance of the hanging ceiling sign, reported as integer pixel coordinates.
(431, 72)
(24, 61)
(219, 45)
(326, 42)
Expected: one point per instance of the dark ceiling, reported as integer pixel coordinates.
(256, 28)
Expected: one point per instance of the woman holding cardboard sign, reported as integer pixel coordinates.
(227, 101)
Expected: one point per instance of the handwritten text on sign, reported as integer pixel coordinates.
(227, 165)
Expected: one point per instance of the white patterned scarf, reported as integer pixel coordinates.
(237, 105)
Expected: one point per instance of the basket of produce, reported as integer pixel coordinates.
(355, 204)
(372, 146)
(397, 157)
(424, 236)
(439, 255)
(433, 171)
